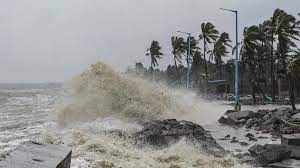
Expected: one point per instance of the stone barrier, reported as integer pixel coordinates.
(36, 155)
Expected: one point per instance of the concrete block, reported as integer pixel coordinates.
(35, 155)
(292, 141)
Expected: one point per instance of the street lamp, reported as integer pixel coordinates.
(237, 96)
(188, 58)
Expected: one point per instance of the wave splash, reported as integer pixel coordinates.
(102, 92)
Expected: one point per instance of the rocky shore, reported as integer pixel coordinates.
(164, 133)
(281, 123)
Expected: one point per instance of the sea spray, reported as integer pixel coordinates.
(101, 92)
(102, 101)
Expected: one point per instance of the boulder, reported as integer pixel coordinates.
(236, 118)
(164, 133)
(269, 153)
(261, 113)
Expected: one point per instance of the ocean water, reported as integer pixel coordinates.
(79, 114)
(25, 109)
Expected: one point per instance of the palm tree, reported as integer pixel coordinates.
(179, 48)
(287, 30)
(249, 48)
(209, 35)
(293, 74)
(154, 53)
(220, 50)
(270, 29)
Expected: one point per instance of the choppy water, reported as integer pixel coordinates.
(24, 110)
(101, 100)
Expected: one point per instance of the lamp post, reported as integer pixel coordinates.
(188, 58)
(237, 96)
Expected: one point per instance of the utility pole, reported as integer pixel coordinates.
(188, 58)
(237, 95)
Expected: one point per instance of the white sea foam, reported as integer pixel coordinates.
(102, 100)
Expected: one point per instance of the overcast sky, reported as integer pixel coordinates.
(53, 40)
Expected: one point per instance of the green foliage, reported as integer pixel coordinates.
(155, 53)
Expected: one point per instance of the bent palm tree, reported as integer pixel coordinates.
(287, 30)
(220, 50)
(179, 48)
(154, 53)
(249, 49)
(209, 35)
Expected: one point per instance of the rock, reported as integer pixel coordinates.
(227, 136)
(239, 156)
(256, 150)
(238, 150)
(36, 155)
(228, 121)
(269, 153)
(236, 118)
(249, 123)
(249, 135)
(247, 159)
(261, 113)
(244, 144)
(164, 133)
(234, 140)
(292, 141)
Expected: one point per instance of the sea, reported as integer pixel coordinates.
(80, 112)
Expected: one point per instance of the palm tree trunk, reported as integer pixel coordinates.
(290, 83)
(252, 81)
(242, 77)
(151, 66)
(205, 63)
(291, 92)
(179, 78)
(272, 70)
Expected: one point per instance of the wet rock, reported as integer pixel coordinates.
(236, 118)
(238, 150)
(164, 133)
(261, 113)
(244, 144)
(269, 153)
(249, 135)
(249, 123)
(234, 140)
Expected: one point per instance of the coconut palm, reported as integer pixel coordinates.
(249, 54)
(287, 30)
(179, 48)
(154, 51)
(220, 50)
(270, 29)
(209, 35)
